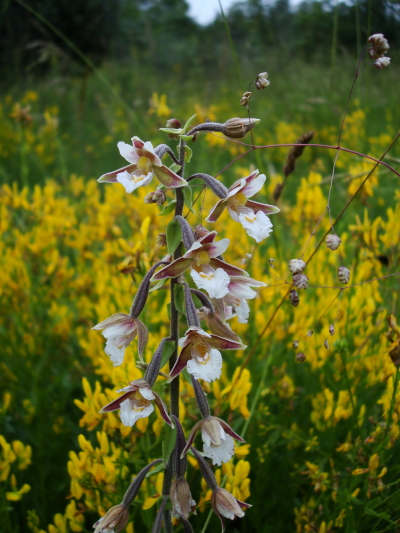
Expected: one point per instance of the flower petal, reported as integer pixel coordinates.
(130, 412)
(229, 269)
(132, 181)
(220, 454)
(216, 211)
(209, 370)
(143, 336)
(257, 226)
(163, 410)
(215, 282)
(168, 178)
(253, 185)
(128, 152)
(265, 208)
(181, 362)
(179, 266)
(111, 177)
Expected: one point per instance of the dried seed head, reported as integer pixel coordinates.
(332, 329)
(333, 242)
(296, 266)
(262, 80)
(300, 281)
(344, 275)
(326, 344)
(300, 357)
(236, 128)
(310, 333)
(115, 519)
(295, 344)
(161, 239)
(379, 46)
(245, 98)
(156, 197)
(294, 153)
(294, 298)
(382, 62)
(272, 262)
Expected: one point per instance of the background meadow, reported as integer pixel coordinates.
(322, 436)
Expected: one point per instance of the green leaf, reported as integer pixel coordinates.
(187, 376)
(188, 122)
(168, 442)
(167, 209)
(156, 470)
(186, 137)
(179, 298)
(174, 235)
(188, 196)
(172, 130)
(158, 285)
(188, 153)
(175, 168)
(168, 350)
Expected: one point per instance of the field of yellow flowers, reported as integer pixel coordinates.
(322, 435)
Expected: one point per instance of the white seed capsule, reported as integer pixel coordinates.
(333, 242)
(310, 333)
(343, 275)
(294, 298)
(295, 344)
(296, 266)
(300, 357)
(300, 281)
(326, 344)
(332, 329)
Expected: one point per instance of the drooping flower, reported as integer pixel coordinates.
(144, 164)
(114, 520)
(208, 272)
(217, 438)
(239, 292)
(225, 505)
(252, 215)
(120, 330)
(181, 499)
(200, 354)
(136, 402)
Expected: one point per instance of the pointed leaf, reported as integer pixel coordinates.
(158, 285)
(174, 235)
(171, 130)
(168, 442)
(187, 376)
(186, 137)
(175, 168)
(188, 122)
(188, 154)
(168, 350)
(167, 209)
(156, 470)
(179, 298)
(188, 196)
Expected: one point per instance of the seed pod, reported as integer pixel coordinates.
(300, 357)
(326, 344)
(332, 329)
(300, 281)
(333, 242)
(262, 82)
(294, 298)
(295, 344)
(245, 98)
(343, 275)
(310, 333)
(296, 266)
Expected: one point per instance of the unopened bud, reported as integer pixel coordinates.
(294, 298)
(262, 82)
(310, 333)
(343, 275)
(175, 124)
(200, 231)
(295, 344)
(161, 239)
(379, 45)
(236, 128)
(181, 499)
(156, 197)
(332, 329)
(115, 519)
(326, 344)
(296, 266)
(333, 242)
(225, 504)
(300, 357)
(300, 281)
(245, 98)
(382, 62)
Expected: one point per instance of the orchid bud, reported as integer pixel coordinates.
(294, 298)
(174, 124)
(300, 281)
(156, 197)
(236, 128)
(296, 266)
(181, 499)
(382, 62)
(161, 239)
(300, 357)
(200, 231)
(115, 519)
(225, 505)
(343, 275)
(333, 242)
(262, 82)
(134, 487)
(332, 329)
(245, 98)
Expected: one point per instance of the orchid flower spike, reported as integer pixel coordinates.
(208, 272)
(136, 402)
(200, 354)
(252, 215)
(144, 164)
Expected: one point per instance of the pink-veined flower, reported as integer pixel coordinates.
(144, 164)
(225, 505)
(207, 271)
(136, 402)
(120, 330)
(200, 354)
(251, 215)
(239, 292)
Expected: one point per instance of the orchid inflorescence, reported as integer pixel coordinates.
(223, 291)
